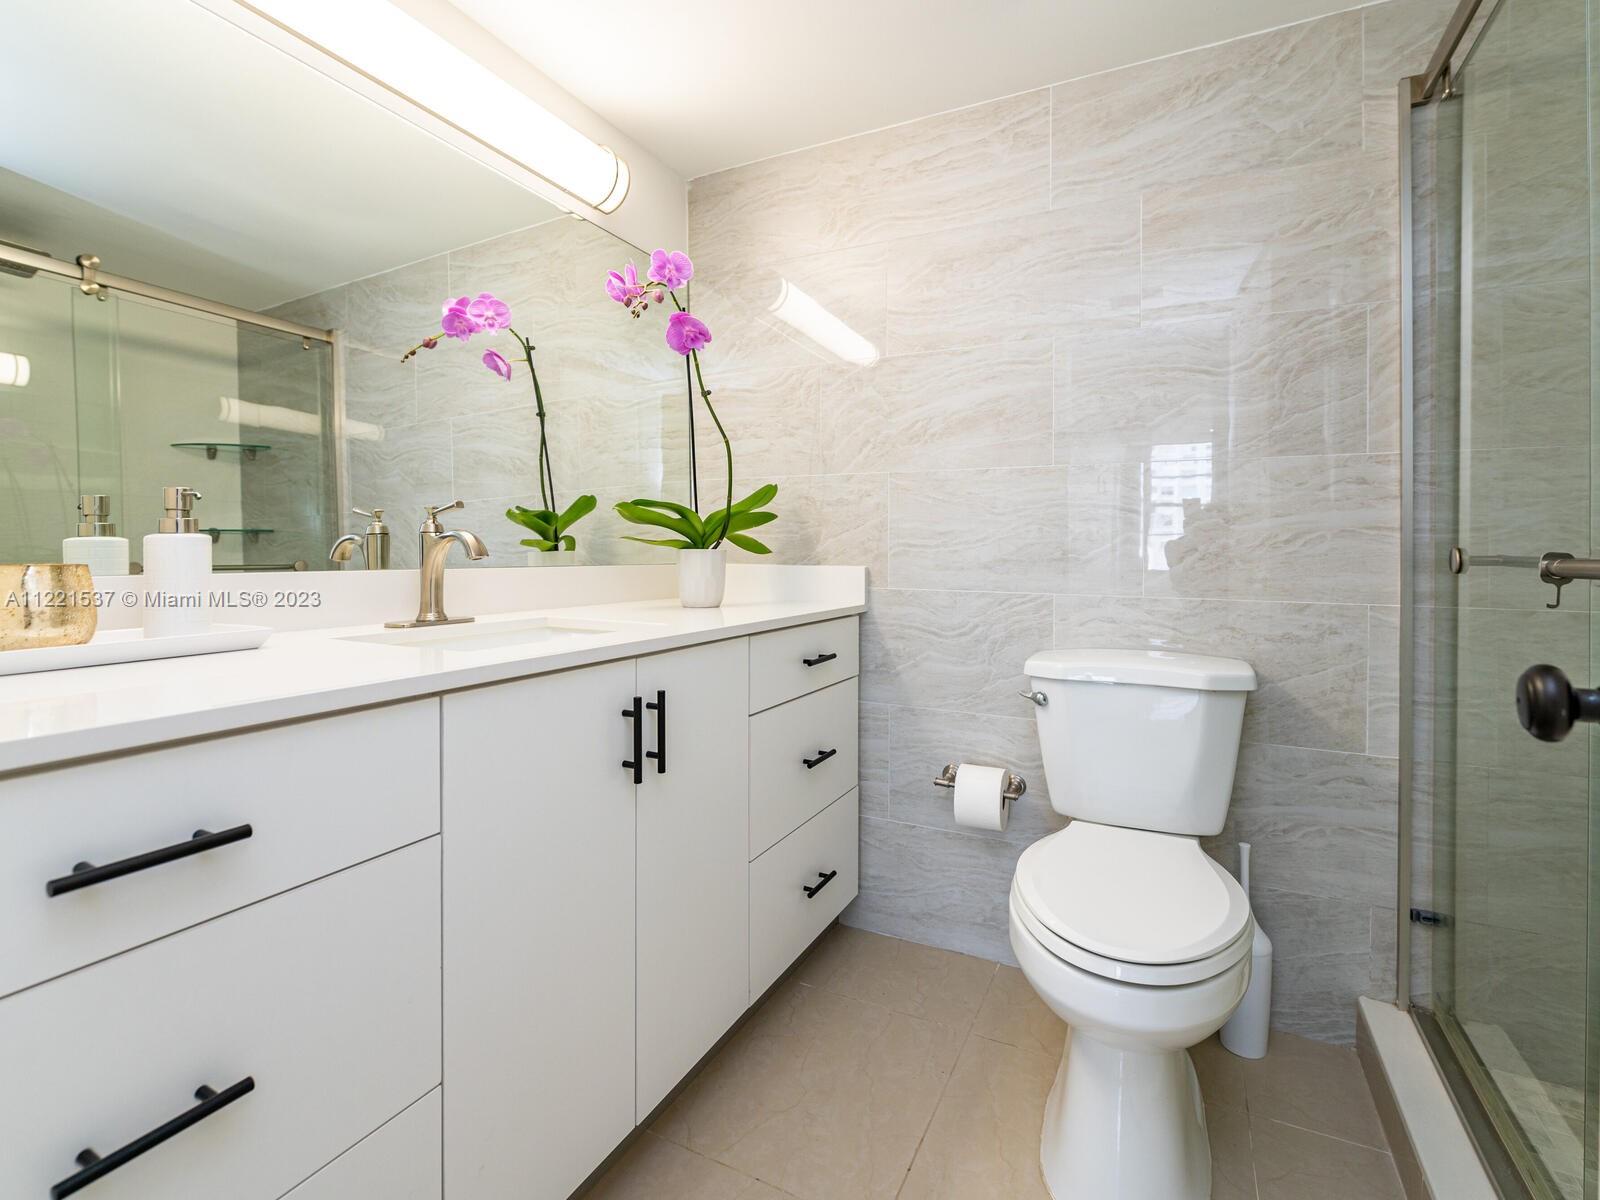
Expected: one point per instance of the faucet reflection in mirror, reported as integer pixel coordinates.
(461, 319)
(702, 560)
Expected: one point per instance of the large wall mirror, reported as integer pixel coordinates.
(322, 233)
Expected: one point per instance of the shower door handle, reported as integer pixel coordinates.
(1549, 706)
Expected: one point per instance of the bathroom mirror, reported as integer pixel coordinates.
(188, 157)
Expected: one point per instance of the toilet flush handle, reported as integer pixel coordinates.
(1038, 698)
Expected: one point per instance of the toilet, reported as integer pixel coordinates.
(1123, 925)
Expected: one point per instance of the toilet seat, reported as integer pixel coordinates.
(1132, 905)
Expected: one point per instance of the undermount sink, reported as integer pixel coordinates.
(493, 635)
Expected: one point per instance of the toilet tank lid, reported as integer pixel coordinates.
(1159, 668)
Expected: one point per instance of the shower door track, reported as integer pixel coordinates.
(96, 282)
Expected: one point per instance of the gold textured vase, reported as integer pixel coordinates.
(45, 604)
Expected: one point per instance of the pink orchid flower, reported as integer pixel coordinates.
(686, 332)
(623, 286)
(489, 312)
(671, 268)
(497, 363)
(458, 321)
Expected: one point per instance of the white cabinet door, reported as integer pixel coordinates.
(538, 933)
(693, 835)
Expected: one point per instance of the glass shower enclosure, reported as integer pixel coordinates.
(1497, 913)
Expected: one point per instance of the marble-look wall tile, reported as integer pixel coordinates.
(829, 519)
(1106, 528)
(1383, 378)
(1383, 681)
(1397, 40)
(949, 649)
(390, 313)
(1311, 660)
(379, 390)
(981, 406)
(1314, 236)
(1530, 365)
(1322, 529)
(977, 164)
(1323, 824)
(1259, 386)
(1321, 961)
(998, 530)
(1031, 277)
(874, 760)
(1291, 95)
(935, 887)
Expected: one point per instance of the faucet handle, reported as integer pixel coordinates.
(376, 514)
(435, 510)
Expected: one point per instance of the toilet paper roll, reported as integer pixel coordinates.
(980, 798)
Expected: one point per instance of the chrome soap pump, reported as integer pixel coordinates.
(177, 569)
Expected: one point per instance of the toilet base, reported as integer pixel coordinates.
(1124, 1125)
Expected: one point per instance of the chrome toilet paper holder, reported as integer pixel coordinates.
(1015, 786)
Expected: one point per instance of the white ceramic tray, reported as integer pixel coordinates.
(131, 645)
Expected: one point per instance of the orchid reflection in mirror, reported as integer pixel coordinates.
(461, 319)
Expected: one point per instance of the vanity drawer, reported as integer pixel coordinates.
(784, 919)
(404, 1160)
(327, 998)
(784, 791)
(317, 797)
(791, 662)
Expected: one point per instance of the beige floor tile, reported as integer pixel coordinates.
(1221, 1074)
(1296, 1164)
(920, 981)
(656, 1169)
(1013, 1013)
(1316, 1086)
(1232, 1166)
(983, 1143)
(820, 1095)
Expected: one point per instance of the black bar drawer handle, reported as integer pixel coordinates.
(636, 763)
(87, 874)
(659, 707)
(824, 878)
(95, 1167)
(822, 757)
(819, 659)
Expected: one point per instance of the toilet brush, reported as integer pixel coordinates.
(1246, 1031)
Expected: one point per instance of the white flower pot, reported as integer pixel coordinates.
(702, 575)
(552, 558)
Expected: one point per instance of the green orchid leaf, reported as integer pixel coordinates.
(675, 543)
(538, 545)
(576, 511)
(540, 520)
(750, 520)
(568, 542)
(757, 498)
(683, 510)
(745, 542)
(644, 514)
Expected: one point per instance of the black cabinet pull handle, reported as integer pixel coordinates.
(819, 659)
(659, 706)
(1549, 706)
(636, 763)
(824, 878)
(94, 1167)
(822, 757)
(87, 874)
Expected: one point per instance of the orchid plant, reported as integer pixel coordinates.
(687, 334)
(461, 320)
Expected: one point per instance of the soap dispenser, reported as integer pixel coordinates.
(177, 569)
(97, 545)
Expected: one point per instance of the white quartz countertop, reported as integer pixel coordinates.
(56, 716)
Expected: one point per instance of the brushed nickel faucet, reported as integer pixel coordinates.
(374, 544)
(434, 542)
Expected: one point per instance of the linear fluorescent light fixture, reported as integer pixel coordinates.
(799, 311)
(401, 54)
(15, 370)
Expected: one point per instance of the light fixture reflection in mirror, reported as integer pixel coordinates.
(15, 370)
(290, 420)
(799, 311)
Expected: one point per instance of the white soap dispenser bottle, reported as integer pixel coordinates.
(97, 545)
(177, 569)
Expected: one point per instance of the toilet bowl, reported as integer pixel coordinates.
(1123, 925)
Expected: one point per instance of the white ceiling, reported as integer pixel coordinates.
(185, 152)
(709, 84)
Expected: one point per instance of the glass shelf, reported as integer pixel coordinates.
(245, 449)
(250, 532)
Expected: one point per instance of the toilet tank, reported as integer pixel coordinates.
(1145, 739)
